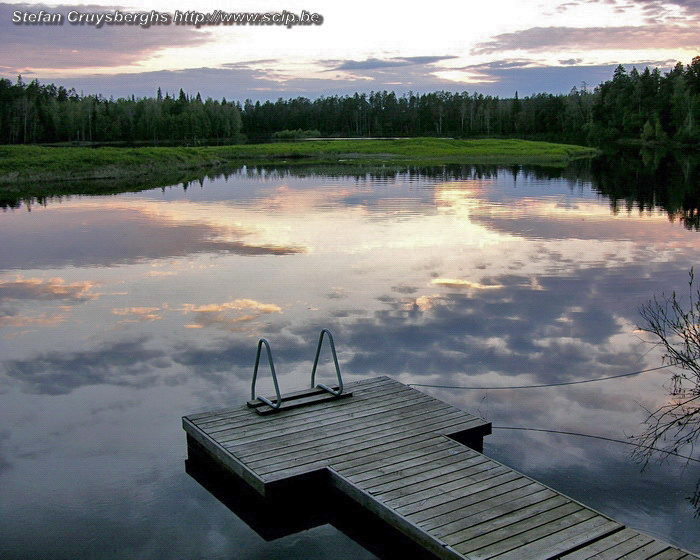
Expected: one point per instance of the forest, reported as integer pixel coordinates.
(648, 106)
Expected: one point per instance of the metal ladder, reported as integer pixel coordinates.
(317, 393)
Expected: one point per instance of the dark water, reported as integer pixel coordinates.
(121, 314)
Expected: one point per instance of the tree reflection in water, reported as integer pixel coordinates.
(674, 325)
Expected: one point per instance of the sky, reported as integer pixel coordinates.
(496, 47)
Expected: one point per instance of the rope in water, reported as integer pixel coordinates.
(637, 445)
(537, 386)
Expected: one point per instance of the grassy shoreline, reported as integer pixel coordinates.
(22, 165)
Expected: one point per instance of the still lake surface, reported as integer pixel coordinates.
(120, 314)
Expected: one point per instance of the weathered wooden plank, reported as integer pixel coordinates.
(336, 425)
(427, 541)
(293, 396)
(355, 447)
(212, 415)
(202, 416)
(461, 524)
(458, 488)
(241, 415)
(445, 504)
(361, 396)
(473, 526)
(342, 409)
(248, 447)
(390, 459)
(479, 472)
(335, 428)
(441, 463)
(299, 465)
(524, 532)
(455, 467)
(553, 544)
(287, 404)
(428, 461)
(390, 450)
(647, 551)
(618, 551)
(670, 554)
(508, 533)
(205, 417)
(601, 545)
(420, 434)
(365, 400)
(447, 501)
(276, 451)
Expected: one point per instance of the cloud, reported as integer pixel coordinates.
(228, 315)
(369, 64)
(237, 304)
(125, 363)
(540, 39)
(11, 318)
(690, 7)
(497, 78)
(85, 237)
(241, 81)
(459, 284)
(235, 354)
(251, 63)
(378, 63)
(428, 59)
(250, 80)
(537, 225)
(134, 314)
(337, 293)
(49, 289)
(81, 46)
(514, 330)
(247, 81)
(653, 10)
(506, 64)
(403, 289)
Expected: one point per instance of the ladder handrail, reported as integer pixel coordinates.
(335, 359)
(278, 402)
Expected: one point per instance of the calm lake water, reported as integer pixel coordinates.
(120, 314)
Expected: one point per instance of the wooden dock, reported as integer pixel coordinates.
(415, 462)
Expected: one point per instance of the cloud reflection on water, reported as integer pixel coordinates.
(20, 288)
(122, 363)
(112, 233)
(464, 282)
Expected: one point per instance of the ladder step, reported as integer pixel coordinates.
(297, 399)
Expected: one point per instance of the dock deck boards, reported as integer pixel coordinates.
(393, 450)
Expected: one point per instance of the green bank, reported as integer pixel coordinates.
(27, 165)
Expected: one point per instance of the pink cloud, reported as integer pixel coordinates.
(606, 38)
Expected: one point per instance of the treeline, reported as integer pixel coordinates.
(439, 113)
(636, 105)
(647, 105)
(34, 113)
